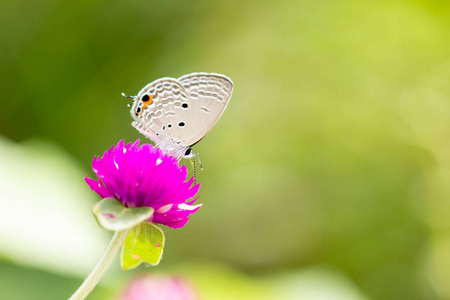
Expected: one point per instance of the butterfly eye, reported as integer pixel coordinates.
(188, 151)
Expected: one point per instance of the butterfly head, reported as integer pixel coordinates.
(188, 153)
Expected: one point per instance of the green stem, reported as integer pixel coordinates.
(100, 269)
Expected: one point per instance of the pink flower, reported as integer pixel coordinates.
(159, 288)
(145, 176)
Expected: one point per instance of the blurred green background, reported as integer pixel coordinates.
(326, 178)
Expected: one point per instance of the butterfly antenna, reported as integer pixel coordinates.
(195, 172)
(131, 97)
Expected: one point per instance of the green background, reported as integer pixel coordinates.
(327, 177)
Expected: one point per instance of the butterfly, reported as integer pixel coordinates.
(177, 113)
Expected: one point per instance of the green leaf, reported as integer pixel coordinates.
(144, 243)
(112, 215)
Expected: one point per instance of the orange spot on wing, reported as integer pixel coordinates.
(146, 103)
(150, 101)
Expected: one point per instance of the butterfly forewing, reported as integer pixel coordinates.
(163, 112)
(209, 94)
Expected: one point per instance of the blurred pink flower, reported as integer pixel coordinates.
(159, 288)
(145, 176)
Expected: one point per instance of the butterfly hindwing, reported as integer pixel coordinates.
(209, 94)
(161, 110)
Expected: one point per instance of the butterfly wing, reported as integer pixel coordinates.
(161, 111)
(209, 94)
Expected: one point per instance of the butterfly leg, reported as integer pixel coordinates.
(198, 158)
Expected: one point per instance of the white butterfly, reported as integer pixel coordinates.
(177, 113)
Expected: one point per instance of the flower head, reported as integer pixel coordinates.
(144, 176)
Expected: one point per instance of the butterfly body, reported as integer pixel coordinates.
(177, 113)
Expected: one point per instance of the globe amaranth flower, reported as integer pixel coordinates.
(159, 288)
(144, 176)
